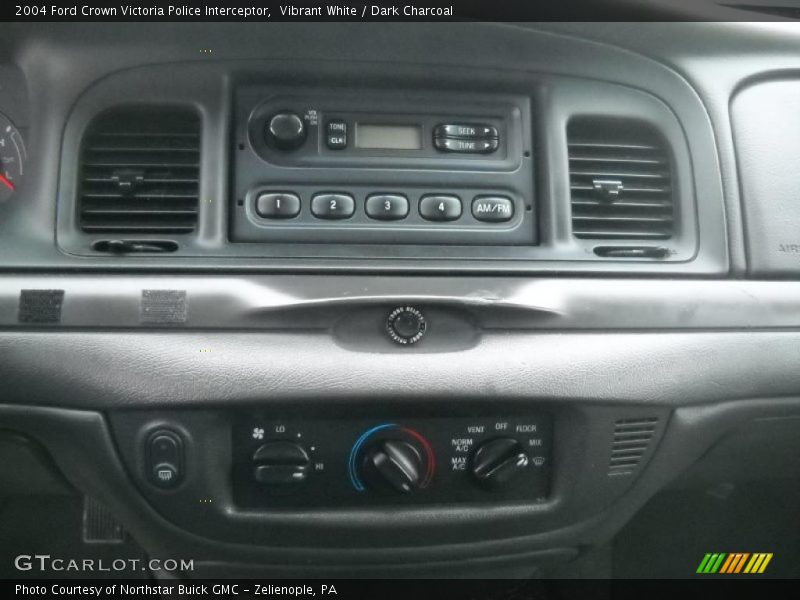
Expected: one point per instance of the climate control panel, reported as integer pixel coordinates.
(359, 462)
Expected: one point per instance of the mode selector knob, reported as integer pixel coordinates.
(498, 461)
(393, 464)
(286, 131)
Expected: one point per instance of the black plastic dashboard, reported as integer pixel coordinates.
(622, 89)
(172, 372)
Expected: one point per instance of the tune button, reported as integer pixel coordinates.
(466, 146)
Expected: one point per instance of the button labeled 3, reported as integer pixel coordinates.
(387, 207)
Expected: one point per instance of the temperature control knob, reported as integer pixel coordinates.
(498, 461)
(391, 458)
(394, 464)
(286, 131)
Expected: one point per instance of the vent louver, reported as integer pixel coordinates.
(620, 181)
(632, 438)
(139, 172)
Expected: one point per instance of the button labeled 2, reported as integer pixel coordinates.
(387, 207)
(333, 206)
(440, 208)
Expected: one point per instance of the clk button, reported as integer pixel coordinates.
(492, 209)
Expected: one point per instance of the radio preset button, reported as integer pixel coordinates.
(492, 209)
(465, 146)
(336, 134)
(440, 208)
(466, 130)
(333, 206)
(387, 207)
(278, 205)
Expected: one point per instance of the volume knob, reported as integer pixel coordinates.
(286, 131)
(498, 461)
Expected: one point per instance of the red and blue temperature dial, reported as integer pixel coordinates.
(391, 457)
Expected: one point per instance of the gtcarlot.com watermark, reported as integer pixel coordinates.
(45, 563)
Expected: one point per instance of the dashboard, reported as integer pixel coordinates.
(478, 290)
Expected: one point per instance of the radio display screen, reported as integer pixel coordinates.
(388, 137)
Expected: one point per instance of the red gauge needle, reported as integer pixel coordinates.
(6, 182)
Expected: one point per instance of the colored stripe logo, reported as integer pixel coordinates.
(734, 563)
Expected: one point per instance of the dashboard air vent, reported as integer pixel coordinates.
(632, 438)
(620, 181)
(139, 172)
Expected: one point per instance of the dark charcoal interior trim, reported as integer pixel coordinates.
(215, 368)
(322, 302)
(81, 444)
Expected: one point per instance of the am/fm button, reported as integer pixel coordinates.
(492, 209)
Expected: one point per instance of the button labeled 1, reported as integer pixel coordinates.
(387, 207)
(440, 208)
(278, 205)
(333, 206)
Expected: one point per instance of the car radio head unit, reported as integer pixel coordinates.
(374, 167)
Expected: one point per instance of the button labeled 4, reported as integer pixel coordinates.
(440, 208)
